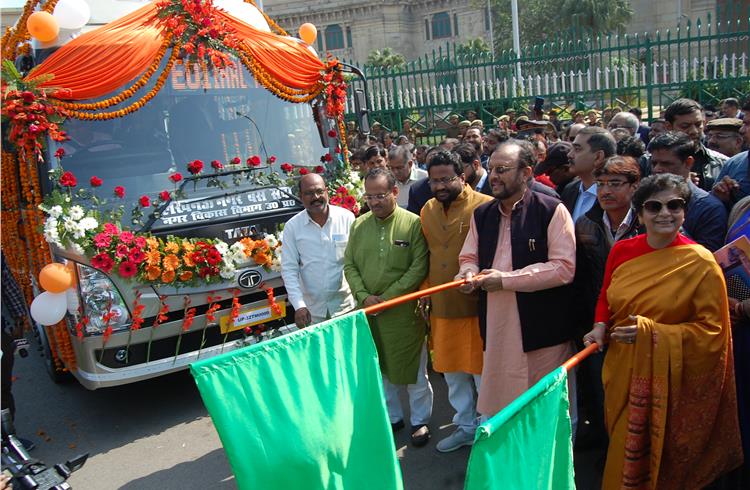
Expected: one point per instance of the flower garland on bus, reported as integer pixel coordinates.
(203, 34)
(29, 113)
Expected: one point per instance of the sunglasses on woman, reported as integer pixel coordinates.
(673, 205)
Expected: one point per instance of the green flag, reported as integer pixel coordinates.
(303, 411)
(526, 445)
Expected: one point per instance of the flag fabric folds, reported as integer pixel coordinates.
(528, 444)
(303, 411)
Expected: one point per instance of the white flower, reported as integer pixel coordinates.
(77, 248)
(76, 212)
(276, 264)
(227, 271)
(221, 247)
(55, 211)
(69, 224)
(89, 223)
(79, 231)
(272, 241)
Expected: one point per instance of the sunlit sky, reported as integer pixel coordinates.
(7, 4)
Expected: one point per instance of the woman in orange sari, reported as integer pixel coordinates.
(670, 402)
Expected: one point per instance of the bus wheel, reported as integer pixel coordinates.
(55, 373)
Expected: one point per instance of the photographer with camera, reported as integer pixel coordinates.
(14, 311)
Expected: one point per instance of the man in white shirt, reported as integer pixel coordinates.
(312, 256)
(401, 164)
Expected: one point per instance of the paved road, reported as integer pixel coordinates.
(157, 435)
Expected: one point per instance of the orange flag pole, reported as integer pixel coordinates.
(412, 296)
(580, 356)
(568, 365)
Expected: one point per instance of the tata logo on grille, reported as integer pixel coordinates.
(249, 279)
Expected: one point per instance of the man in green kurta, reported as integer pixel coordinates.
(387, 257)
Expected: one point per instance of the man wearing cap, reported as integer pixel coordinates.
(511, 113)
(557, 165)
(553, 113)
(377, 131)
(463, 126)
(733, 182)
(723, 135)
(452, 130)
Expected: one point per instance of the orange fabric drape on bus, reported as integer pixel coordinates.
(99, 62)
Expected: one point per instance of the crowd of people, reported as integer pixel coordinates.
(600, 232)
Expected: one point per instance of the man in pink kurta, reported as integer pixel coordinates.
(527, 334)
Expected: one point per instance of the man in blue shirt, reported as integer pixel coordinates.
(706, 218)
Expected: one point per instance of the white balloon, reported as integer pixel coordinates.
(247, 13)
(72, 14)
(303, 43)
(49, 308)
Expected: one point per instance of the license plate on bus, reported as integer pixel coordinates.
(250, 317)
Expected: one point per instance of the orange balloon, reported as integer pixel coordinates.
(55, 278)
(308, 33)
(42, 26)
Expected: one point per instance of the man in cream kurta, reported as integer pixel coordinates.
(387, 257)
(454, 333)
(509, 368)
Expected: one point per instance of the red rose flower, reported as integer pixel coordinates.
(127, 269)
(272, 159)
(144, 201)
(253, 161)
(287, 167)
(213, 257)
(120, 191)
(137, 256)
(332, 133)
(175, 177)
(327, 157)
(164, 195)
(103, 262)
(236, 161)
(28, 96)
(67, 179)
(195, 167)
(60, 152)
(319, 169)
(303, 171)
(216, 165)
(95, 181)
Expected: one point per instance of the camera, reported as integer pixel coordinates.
(21, 347)
(28, 473)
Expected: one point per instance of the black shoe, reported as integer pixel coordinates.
(27, 444)
(420, 434)
(397, 426)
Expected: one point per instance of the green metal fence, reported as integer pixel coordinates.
(706, 60)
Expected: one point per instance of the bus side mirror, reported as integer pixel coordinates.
(360, 108)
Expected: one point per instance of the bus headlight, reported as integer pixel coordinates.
(99, 296)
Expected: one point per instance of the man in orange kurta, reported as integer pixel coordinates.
(455, 340)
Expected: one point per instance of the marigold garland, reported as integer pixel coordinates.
(274, 86)
(102, 116)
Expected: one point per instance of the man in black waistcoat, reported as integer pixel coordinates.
(523, 242)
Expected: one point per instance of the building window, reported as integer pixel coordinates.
(455, 24)
(441, 25)
(334, 37)
(349, 43)
(427, 29)
(487, 18)
(320, 43)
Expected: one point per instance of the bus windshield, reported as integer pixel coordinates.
(197, 115)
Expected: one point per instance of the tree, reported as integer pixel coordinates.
(385, 59)
(542, 21)
(474, 47)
